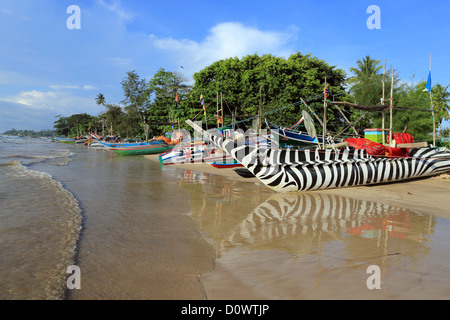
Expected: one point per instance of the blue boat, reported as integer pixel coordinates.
(134, 144)
(289, 137)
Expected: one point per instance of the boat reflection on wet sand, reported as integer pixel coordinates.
(315, 245)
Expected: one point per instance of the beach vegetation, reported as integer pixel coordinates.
(73, 126)
(271, 86)
(30, 133)
(268, 86)
(165, 112)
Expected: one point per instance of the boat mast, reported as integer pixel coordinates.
(324, 126)
(432, 111)
(382, 103)
(391, 107)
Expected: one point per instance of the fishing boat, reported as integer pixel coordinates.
(244, 172)
(130, 144)
(286, 170)
(141, 149)
(224, 165)
(288, 137)
(71, 140)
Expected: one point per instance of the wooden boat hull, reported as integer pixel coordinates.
(130, 144)
(244, 172)
(225, 165)
(141, 150)
(68, 141)
(302, 170)
(286, 137)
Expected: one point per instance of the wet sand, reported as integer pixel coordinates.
(428, 195)
(319, 244)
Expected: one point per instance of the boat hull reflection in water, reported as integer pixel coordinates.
(316, 245)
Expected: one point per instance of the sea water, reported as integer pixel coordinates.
(120, 220)
(40, 220)
(140, 230)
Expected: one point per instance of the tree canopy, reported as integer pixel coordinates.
(275, 83)
(268, 85)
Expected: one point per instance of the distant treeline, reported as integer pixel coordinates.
(30, 133)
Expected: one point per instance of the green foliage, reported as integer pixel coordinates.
(30, 133)
(75, 125)
(273, 82)
(417, 123)
(164, 112)
(441, 101)
(136, 101)
(271, 85)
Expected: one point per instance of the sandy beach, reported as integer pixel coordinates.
(429, 195)
(318, 244)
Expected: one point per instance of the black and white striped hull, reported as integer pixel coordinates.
(302, 170)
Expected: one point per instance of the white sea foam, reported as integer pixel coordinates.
(46, 214)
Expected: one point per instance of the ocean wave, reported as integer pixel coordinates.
(57, 157)
(59, 217)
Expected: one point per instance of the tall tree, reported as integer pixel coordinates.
(275, 82)
(366, 81)
(113, 117)
(136, 100)
(441, 99)
(164, 112)
(100, 100)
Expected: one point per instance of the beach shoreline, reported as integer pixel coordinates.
(428, 195)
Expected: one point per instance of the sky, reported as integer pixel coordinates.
(55, 61)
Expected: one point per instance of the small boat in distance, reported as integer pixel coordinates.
(142, 148)
(71, 140)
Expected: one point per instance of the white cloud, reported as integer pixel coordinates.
(52, 101)
(36, 110)
(89, 87)
(60, 87)
(225, 40)
(116, 7)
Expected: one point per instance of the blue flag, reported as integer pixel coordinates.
(428, 86)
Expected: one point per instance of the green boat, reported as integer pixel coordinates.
(142, 149)
(71, 140)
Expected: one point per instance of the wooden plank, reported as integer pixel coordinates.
(338, 145)
(412, 145)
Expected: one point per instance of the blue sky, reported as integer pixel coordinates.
(47, 69)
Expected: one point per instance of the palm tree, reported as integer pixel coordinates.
(367, 69)
(441, 99)
(366, 74)
(100, 100)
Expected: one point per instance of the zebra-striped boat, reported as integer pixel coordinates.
(301, 170)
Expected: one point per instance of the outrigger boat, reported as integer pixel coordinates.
(226, 164)
(71, 140)
(141, 148)
(301, 170)
(291, 137)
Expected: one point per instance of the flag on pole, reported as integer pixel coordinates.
(326, 92)
(428, 86)
(177, 106)
(203, 104)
